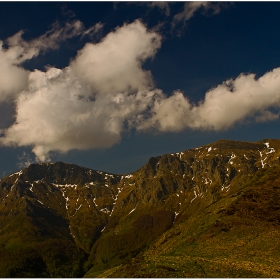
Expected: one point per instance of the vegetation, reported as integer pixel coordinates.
(51, 258)
(235, 237)
(212, 211)
(115, 248)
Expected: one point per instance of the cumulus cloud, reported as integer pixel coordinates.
(13, 78)
(115, 64)
(237, 99)
(105, 91)
(223, 106)
(86, 104)
(15, 50)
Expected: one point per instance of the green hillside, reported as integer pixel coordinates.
(212, 211)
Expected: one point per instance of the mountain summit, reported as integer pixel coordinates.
(215, 207)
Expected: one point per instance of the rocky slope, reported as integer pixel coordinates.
(236, 236)
(66, 221)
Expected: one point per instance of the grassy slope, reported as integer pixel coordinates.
(238, 236)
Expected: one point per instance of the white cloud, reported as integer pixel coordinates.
(191, 7)
(223, 106)
(238, 99)
(105, 91)
(13, 78)
(266, 115)
(20, 50)
(115, 64)
(169, 113)
(86, 104)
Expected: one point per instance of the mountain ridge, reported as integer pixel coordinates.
(108, 219)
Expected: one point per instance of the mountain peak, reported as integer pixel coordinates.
(241, 145)
(112, 218)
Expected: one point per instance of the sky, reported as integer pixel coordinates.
(107, 85)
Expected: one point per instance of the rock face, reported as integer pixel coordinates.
(204, 173)
(66, 220)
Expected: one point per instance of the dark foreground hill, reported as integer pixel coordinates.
(212, 211)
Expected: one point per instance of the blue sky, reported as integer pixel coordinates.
(107, 85)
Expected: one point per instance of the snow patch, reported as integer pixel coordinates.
(267, 144)
(231, 158)
(262, 160)
(272, 150)
(105, 210)
(16, 173)
(71, 232)
(66, 198)
(132, 211)
(195, 196)
(63, 185)
(95, 202)
(179, 154)
(116, 198)
(223, 187)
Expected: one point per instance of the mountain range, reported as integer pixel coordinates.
(211, 211)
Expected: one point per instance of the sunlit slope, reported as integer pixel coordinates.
(236, 236)
(191, 184)
(211, 211)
